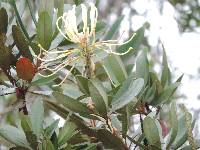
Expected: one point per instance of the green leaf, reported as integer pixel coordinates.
(124, 121)
(19, 148)
(91, 147)
(36, 115)
(57, 108)
(109, 140)
(74, 118)
(127, 46)
(83, 84)
(78, 138)
(150, 94)
(115, 69)
(44, 80)
(166, 94)
(100, 26)
(116, 122)
(189, 147)
(4, 21)
(66, 132)
(21, 42)
(31, 12)
(51, 128)
(142, 67)
(99, 96)
(54, 140)
(44, 30)
(78, 2)
(173, 124)
(74, 71)
(180, 78)
(46, 6)
(113, 29)
(25, 123)
(165, 78)
(154, 80)
(182, 134)
(47, 144)
(151, 131)
(127, 92)
(13, 135)
(72, 104)
(34, 46)
(32, 139)
(59, 4)
(134, 42)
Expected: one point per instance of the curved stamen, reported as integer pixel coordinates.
(60, 67)
(66, 53)
(46, 76)
(49, 51)
(49, 60)
(115, 53)
(112, 42)
(65, 77)
(47, 68)
(59, 29)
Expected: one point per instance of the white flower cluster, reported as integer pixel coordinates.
(84, 39)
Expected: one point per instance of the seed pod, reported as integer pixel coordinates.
(21, 42)
(25, 69)
(5, 54)
(2, 38)
(4, 21)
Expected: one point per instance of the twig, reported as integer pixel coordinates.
(141, 123)
(137, 143)
(7, 93)
(132, 140)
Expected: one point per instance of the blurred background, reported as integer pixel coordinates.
(175, 24)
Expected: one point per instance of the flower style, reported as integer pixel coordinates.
(84, 39)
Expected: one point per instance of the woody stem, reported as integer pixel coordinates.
(88, 72)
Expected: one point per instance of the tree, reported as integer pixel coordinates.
(92, 87)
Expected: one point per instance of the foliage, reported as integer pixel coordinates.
(97, 100)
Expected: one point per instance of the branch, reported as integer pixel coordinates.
(137, 143)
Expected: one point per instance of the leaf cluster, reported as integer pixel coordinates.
(97, 111)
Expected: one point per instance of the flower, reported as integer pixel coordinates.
(85, 40)
(70, 25)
